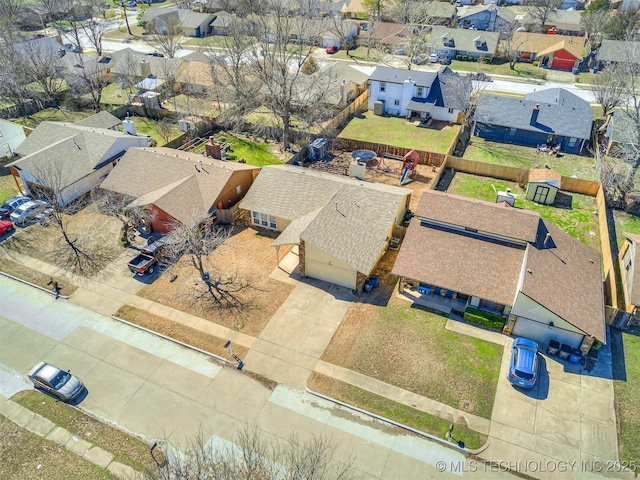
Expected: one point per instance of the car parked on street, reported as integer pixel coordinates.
(55, 381)
(332, 49)
(10, 205)
(30, 211)
(6, 227)
(523, 370)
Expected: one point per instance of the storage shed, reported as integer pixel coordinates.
(543, 185)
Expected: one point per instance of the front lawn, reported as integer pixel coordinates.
(579, 221)
(627, 401)
(391, 410)
(481, 150)
(359, 53)
(126, 448)
(410, 348)
(396, 131)
(522, 70)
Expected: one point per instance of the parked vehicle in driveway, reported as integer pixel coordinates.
(10, 205)
(50, 378)
(146, 260)
(523, 371)
(332, 49)
(29, 211)
(6, 227)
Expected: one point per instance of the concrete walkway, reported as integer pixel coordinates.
(45, 428)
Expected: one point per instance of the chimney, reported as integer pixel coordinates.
(546, 240)
(534, 115)
(212, 149)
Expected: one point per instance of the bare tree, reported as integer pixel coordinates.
(593, 22)
(608, 89)
(87, 77)
(165, 129)
(42, 66)
(621, 25)
(509, 45)
(196, 240)
(418, 27)
(94, 33)
(119, 206)
(375, 7)
(9, 10)
(541, 10)
(251, 456)
(465, 92)
(168, 42)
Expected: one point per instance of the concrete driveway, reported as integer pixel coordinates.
(568, 417)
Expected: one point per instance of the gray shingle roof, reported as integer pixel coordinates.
(619, 51)
(569, 120)
(464, 40)
(101, 119)
(347, 218)
(398, 75)
(170, 180)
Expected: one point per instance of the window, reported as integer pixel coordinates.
(513, 131)
(272, 222)
(255, 218)
(239, 189)
(264, 220)
(420, 90)
(572, 142)
(383, 87)
(396, 102)
(451, 110)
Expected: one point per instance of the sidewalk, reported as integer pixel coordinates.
(48, 430)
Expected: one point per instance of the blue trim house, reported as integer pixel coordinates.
(552, 116)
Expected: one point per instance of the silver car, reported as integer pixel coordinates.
(49, 378)
(29, 211)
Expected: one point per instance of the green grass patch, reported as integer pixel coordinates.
(359, 53)
(53, 115)
(149, 127)
(485, 319)
(391, 410)
(255, 153)
(481, 150)
(126, 448)
(396, 131)
(627, 401)
(522, 70)
(625, 222)
(27, 455)
(8, 187)
(112, 94)
(579, 221)
(210, 41)
(187, 104)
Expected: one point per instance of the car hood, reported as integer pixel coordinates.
(71, 388)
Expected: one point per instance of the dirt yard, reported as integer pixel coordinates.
(381, 170)
(247, 253)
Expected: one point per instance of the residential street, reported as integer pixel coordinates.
(159, 390)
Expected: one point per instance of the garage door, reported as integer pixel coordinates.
(563, 63)
(331, 273)
(542, 333)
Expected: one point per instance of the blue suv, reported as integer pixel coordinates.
(523, 371)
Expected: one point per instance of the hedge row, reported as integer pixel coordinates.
(485, 319)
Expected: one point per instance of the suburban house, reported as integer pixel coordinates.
(189, 23)
(487, 17)
(11, 136)
(439, 13)
(507, 261)
(70, 158)
(405, 92)
(552, 116)
(543, 185)
(179, 186)
(629, 259)
(386, 35)
(618, 51)
(352, 9)
(132, 66)
(621, 135)
(450, 42)
(198, 77)
(221, 22)
(559, 22)
(349, 83)
(342, 226)
(551, 51)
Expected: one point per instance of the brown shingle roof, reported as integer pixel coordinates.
(565, 277)
(492, 218)
(168, 179)
(541, 43)
(460, 262)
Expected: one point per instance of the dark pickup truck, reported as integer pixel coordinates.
(148, 257)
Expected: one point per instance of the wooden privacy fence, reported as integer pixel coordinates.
(609, 271)
(503, 172)
(227, 216)
(336, 121)
(426, 158)
(578, 185)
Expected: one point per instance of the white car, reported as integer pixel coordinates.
(434, 58)
(33, 210)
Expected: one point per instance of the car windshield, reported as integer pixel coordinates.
(60, 379)
(523, 361)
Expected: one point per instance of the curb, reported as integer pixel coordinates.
(45, 290)
(224, 361)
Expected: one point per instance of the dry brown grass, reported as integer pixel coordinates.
(96, 233)
(32, 276)
(182, 333)
(249, 254)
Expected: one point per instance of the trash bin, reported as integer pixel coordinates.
(374, 281)
(565, 352)
(595, 69)
(368, 286)
(554, 347)
(576, 356)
